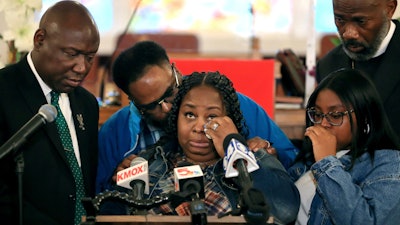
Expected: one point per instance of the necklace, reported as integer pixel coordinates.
(352, 64)
(201, 164)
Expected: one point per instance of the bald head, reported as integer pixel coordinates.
(68, 15)
(65, 45)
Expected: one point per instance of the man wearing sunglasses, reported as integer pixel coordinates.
(146, 75)
(144, 90)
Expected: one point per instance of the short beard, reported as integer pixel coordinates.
(369, 50)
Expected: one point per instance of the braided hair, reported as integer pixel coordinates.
(220, 83)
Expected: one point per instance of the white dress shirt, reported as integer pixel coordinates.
(64, 106)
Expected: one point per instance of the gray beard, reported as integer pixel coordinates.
(369, 50)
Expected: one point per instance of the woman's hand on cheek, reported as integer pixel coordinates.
(217, 129)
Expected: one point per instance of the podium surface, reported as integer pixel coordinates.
(165, 220)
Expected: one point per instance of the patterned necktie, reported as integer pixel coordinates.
(65, 136)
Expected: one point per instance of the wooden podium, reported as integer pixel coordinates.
(165, 220)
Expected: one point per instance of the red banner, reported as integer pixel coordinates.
(253, 78)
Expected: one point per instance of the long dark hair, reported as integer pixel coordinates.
(220, 83)
(357, 92)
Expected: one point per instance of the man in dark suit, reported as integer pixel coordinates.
(64, 46)
(370, 43)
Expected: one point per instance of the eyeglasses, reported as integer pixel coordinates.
(167, 97)
(333, 118)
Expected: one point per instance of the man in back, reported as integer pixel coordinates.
(370, 43)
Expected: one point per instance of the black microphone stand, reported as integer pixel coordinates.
(252, 203)
(198, 211)
(191, 192)
(19, 170)
(138, 187)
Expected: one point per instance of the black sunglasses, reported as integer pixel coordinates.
(166, 97)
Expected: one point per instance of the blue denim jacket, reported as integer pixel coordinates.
(364, 194)
(271, 178)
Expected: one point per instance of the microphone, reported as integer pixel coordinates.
(189, 179)
(190, 182)
(239, 161)
(47, 114)
(236, 150)
(136, 177)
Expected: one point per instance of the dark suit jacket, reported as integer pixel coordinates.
(386, 77)
(48, 184)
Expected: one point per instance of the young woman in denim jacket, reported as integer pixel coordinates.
(203, 100)
(349, 169)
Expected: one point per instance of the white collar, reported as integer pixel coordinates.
(341, 153)
(45, 88)
(386, 40)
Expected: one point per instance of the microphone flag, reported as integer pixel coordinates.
(139, 171)
(189, 178)
(237, 150)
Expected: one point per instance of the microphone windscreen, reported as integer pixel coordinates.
(235, 148)
(137, 161)
(193, 176)
(49, 112)
(229, 137)
(137, 171)
(192, 186)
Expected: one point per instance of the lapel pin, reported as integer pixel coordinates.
(79, 117)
